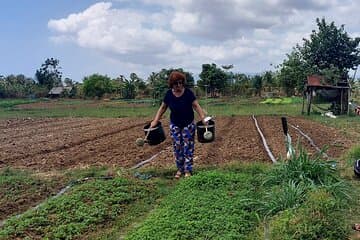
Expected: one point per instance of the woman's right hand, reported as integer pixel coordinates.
(153, 123)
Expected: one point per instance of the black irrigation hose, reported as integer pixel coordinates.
(264, 141)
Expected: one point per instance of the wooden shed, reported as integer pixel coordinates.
(58, 91)
(337, 95)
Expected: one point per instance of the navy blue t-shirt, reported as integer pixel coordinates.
(182, 113)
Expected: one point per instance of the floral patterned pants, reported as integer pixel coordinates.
(183, 146)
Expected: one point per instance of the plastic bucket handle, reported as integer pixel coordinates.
(150, 129)
(207, 126)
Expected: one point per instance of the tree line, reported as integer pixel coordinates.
(329, 52)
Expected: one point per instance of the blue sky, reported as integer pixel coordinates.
(122, 36)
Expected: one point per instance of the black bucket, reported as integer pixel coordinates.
(200, 130)
(156, 134)
(357, 168)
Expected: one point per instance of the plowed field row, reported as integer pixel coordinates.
(78, 142)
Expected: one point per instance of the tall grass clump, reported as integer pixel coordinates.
(318, 217)
(306, 199)
(303, 173)
(284, 196)
(303, 168)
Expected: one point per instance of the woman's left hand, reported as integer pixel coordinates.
(205, 123)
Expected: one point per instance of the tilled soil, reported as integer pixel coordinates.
(50, 144)
(56, 144)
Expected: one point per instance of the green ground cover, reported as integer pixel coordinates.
(239, 201)
(86, 206)
(9, 103)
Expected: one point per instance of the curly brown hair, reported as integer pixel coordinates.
(176, 76)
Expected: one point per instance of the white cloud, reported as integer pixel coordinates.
(74, 22)
(185, 22)
(119, 31)
(186, 33)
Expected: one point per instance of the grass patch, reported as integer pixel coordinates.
(303, 198)
(210, 205)
(116, 108)
(246, 108)
(85, 111)
(352, 155)
(9, 103)
(20, 189)
(84, 207)
(307, 199)
(236, 203)
(285, 100)
(106, 216)
(319, 217)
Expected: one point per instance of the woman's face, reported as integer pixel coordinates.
(178, 86)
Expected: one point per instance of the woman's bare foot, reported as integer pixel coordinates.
(356, 227)
(178, 174)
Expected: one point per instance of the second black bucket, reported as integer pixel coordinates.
(156, 134)
(201, 129)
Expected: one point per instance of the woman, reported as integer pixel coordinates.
(181, 102)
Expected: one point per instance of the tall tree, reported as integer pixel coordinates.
(331, 49)
(212, 78)
(140, 84)
(242, 84)
(158, 82)
(292, 74)
(96, 85)
(17, 86)
(129, 86)
(269, 80)
(69, 82)
(257, 83)
(49, 74)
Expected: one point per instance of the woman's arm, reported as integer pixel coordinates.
(158, 115)
(199, 111)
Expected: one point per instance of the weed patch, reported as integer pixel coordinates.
(19, 190)
(81, 209)
(209, 205)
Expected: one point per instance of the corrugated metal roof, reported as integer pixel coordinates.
(59, 90)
